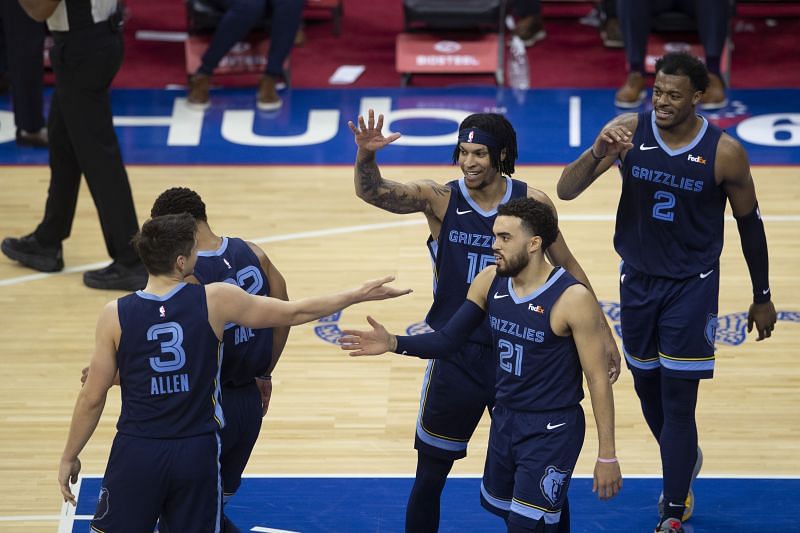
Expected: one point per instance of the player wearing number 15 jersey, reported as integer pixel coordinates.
(456, 389)
(678, 171)
(545, 327)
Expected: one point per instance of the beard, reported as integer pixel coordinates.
(513, 265)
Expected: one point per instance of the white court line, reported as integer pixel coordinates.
(349, 229)
(574, 121)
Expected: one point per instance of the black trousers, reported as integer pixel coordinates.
(634, 18)
(24, 45)
(83, 141)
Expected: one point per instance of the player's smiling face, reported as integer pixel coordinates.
(476, 164)
(674, 99)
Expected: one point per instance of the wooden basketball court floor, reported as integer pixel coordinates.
(331, 414)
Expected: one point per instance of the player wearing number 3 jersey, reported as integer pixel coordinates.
(678, 172)
(457, 388)
(165, 342)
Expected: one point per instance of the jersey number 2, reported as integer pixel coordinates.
(665, 201)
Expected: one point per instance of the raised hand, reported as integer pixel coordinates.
(612, 140)
(764, 318)
(368, 135)
(373, 342)
(376, 289)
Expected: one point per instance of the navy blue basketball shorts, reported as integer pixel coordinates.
(242, 408)
(669, 325)
(176, 479)
(455, 393)
(529, 464)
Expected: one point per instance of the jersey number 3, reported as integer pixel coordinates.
(171, 346)
(662, 210)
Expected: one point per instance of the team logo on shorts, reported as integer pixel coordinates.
(553, 483)
(103, 504)
(711, 329)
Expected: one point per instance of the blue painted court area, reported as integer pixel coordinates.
(372, 505)
(553, 126)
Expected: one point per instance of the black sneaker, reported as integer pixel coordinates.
(28, 251)
(116, 277)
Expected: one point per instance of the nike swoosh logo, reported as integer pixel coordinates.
(765, 291)
(459, 212)
(704, 275)
(550, 426)
(673, 505)
(644, 148)
(498, 296)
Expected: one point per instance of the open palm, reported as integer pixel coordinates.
(374, 342)
(368, 135)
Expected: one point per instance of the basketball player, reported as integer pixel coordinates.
(166, 343)
(678, 172)
(250, 354)
(545, 327)
(460, 214)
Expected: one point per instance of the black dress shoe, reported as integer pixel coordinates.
(28, 251)
(37, 139)
(117, 277)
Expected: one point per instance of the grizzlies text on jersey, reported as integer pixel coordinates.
(670, 216)
(463, 249)
(537, 369)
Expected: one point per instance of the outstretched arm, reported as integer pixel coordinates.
(611, 143)
(579, 312)
(422, 196)
(435, 345)
(91, 398)
(228, 303)
(733, 169)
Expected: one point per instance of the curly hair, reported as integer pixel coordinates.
(537, 218)
(683, 64)
(499, 127)
(179, 200)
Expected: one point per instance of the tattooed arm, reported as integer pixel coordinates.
(423, 196)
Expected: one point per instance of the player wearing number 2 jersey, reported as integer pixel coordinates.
(460, 214)
(250, 354)
(678, 171)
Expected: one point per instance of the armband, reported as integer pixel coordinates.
(754, 247)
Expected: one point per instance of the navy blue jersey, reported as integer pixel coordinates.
(463, 249)
(168, 360)
(670, 218)
(537, 369)
(248, 352)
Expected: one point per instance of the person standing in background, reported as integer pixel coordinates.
(24, 54)
(86, 56)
